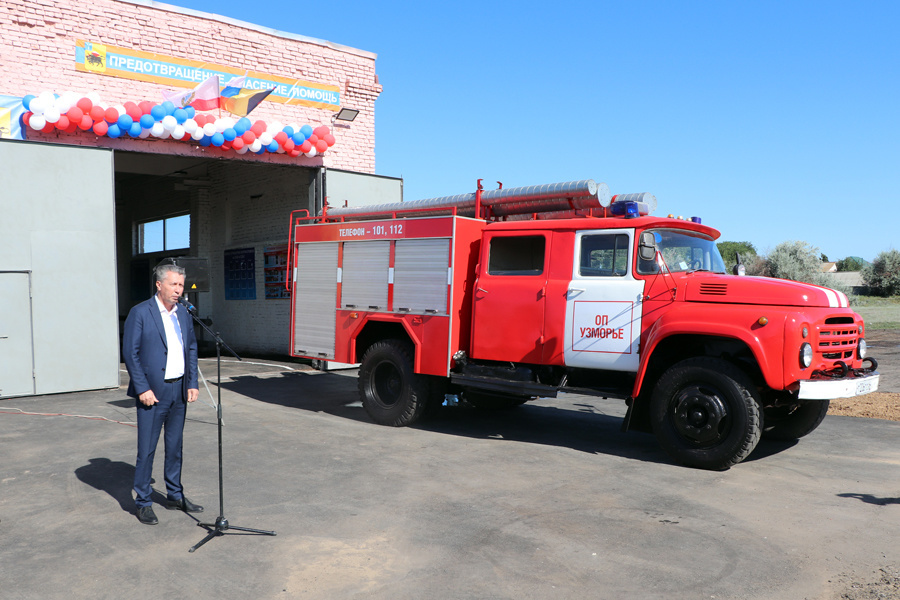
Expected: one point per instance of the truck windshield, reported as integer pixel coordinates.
(684, 251)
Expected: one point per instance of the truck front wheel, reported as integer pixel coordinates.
(705, 413)
(793, 422)
(390, 390)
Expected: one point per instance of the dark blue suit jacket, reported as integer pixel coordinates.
(144, 349)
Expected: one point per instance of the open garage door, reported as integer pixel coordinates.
(57, 224)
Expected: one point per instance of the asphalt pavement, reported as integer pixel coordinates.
(548, 500)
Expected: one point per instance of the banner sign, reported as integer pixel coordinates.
(125, 63)
(11, 111)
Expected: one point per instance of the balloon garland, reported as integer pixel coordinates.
(71, 112)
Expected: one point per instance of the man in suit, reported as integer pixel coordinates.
(160, 352)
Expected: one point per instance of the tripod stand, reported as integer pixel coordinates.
(221, 526)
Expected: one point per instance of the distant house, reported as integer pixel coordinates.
(829, 267)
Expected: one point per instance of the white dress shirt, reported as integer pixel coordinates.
(175, 354)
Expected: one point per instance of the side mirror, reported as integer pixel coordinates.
(647, 246)
(739, 268)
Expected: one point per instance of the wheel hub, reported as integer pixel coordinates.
(700, 414)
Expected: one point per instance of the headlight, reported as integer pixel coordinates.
(805, 355)
(862, 349)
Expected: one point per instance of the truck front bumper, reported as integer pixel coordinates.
(829, 389)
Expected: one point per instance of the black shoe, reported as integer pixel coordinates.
(146, 515)
(183, 504)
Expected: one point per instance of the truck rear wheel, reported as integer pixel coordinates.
(390, 390)
(705, 413)
(793, 422)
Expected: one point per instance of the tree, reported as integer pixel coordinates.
(883, 275)
(729, 249)
(824, 258)
(851, 263)
(797, 261)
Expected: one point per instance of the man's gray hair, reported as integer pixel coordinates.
(161, 270)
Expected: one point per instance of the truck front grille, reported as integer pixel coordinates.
(837, 339)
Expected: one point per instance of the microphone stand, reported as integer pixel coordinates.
(221, 525)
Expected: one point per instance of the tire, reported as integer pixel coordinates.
(783, 423)
(705, 413)
(390, 390)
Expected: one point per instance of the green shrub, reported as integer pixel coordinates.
(883, 274)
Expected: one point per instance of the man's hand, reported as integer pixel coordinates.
(193, 394)
(148, 398)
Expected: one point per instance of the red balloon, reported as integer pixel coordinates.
(111, 115)
(313, 139)
(249, 137)
(305, 147)
(288, 145)
(200, 120)
(72, 128)
(75, 114)
(49, 127)
(145, 107)
(321, 146)
(101, 127)
(237, 143)
(63, 122)
(329, 139)
(258, 128)
(86, 122)
(85, 104)
(281, 137)
(295, 152)
(26, 118)
(97, 112)
(132, 110)
(321, 131)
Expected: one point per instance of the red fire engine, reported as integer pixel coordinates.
(506, 295)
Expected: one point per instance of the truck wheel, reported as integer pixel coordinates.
(391, 392)
(705, 413)
(783, 424)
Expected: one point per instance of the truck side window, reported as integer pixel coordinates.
(604, 255)
(522, 255)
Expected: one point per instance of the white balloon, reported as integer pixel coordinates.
(312, 152)
(226, 123)
(165, 134)
(265, 138)
(255, 146)
(52, 114)
(37, 106)
(37, 122)
(94, 97)
(274, 127)
(209, 129)
(157, 130)
(295, 127)
(178, 132)
(120, 109)
(169, 122)
(243, 150)
(190, 126)
(47, 98)
(145, 133)
(198, 134)
(220, 125)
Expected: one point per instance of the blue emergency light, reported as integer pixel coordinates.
(695, 220)
(627, 209)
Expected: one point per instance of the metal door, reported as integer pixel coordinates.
(16, 348)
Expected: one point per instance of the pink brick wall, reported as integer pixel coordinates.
(39, 54)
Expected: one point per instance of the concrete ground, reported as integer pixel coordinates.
(549, 500)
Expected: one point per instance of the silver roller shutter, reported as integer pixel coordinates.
(364, 280)
(421, 272)
(314, 308)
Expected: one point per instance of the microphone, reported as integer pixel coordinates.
(187, 304)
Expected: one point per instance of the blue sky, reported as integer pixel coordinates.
(773, 121)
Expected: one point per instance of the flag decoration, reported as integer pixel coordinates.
(71, 112)
(203, 97)
(242, 102)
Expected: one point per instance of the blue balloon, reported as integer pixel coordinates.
(288, 130)
(306, 130)
(180, 115)
(26, 101)
(135, 129)
(242, 125)
(273, 147)
(205, 140)
(191, 111)
(298, 138)
(158, 112)
(217, 139)
(229, 133)
(168, 107)
(147, 121)
(113, 131)
(125, 122)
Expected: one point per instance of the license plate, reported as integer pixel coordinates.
(863, 387)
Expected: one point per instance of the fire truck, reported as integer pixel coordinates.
(498, 297)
